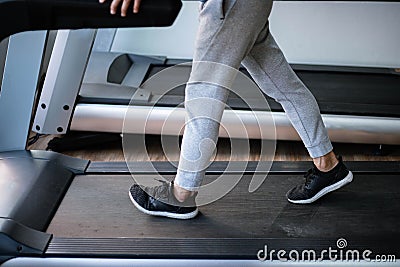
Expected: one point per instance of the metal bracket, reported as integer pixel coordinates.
(63, 79)
(141, 95)
(19, 240)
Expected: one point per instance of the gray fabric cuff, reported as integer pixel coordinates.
(189, 180)
(321, 149)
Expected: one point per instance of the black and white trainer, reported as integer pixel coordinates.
(160, 201)
(318, 184)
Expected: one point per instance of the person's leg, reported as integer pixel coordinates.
(227, 31)
(270, 70)
(272, 73)
(326, 162)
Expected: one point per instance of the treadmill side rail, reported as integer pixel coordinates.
(19, 240)
(33, 186)
(74, 165)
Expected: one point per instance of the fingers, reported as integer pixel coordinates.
(114, 6)
(124, 8)
(136, 6)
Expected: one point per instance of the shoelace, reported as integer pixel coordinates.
(162, 181)
(310, 176)
(160, 191)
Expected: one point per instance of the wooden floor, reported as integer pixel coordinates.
(285, 151)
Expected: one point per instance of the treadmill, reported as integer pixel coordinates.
(61, 211)
(358, 104)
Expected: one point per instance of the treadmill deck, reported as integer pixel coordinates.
(97, 209)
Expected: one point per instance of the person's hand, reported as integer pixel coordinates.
(125, 6)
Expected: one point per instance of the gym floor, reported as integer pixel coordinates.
(285, 151)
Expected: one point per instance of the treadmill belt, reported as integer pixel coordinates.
(338, 90)
(98, 206)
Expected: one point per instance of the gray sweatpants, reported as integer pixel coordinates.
(234, 32)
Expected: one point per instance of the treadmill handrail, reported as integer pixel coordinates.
(29, 15)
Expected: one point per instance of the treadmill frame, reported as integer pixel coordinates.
(110, 118)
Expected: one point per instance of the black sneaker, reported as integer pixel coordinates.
(160, 201)
(318, 184)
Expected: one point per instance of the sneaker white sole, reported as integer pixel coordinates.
(325, 190)
(183, 216)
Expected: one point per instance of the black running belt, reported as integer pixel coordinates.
(338, 90)
(25, 15)
(97, 209)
